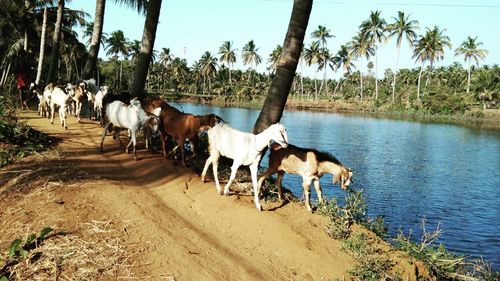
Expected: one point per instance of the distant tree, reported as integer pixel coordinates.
(373, 28)
(56, 39)
(401, 27)
(471, 51)
(227, 56)
(343, 59)
(323, 34)
(360, 47)
(208, 67)
(118, 45)
(274, 58)
(312, 56)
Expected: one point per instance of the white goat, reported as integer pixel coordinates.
(62, 100)
(244, 148)
(90, 89)
(103, 91)
(132, 117)
(43, 105)
(77, 94)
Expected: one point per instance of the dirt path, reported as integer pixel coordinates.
(170, 224)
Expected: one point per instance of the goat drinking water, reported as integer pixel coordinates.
(310, 164)
(244, 148)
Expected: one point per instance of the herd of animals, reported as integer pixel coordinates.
(118, 112)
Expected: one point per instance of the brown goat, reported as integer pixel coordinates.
(310, 164)
(182, 126)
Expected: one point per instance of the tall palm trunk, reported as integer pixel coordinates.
(148, 40)
(121, 73)
(55, 43)
(395, 73)
(95, 42)
(376, 74)
(41, 56)
(361, 78)
(419, 78)
(324, 77)
(428, 80)
(229, 69)
(468, 77)
(276, 98)
(26, 4)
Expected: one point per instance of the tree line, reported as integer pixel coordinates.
(25, 26)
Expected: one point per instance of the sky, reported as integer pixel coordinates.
(189, 28)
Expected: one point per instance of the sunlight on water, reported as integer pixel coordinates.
(409, 170)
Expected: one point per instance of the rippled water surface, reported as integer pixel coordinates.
(409, 170)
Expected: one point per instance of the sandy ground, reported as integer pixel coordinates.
(160, 220)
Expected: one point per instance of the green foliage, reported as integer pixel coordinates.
(444, 104)
(376, 225)
(372, 265)
(17, 250)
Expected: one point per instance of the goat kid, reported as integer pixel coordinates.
(244, 148)
(58, 98)
(310, 164)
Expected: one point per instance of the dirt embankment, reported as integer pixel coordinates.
(152, 219)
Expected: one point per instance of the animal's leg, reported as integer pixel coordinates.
(133, 141)
(128, 145)
(205, 168)
(307, 192)
(318, 190)
(147, 136)
(52, 112)
(180, 143)
(256, 192)
(164, 143)
(234, 169)
(279, 180)
(104, 133)
(264, 175)
(215, 164)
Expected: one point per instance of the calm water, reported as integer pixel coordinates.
(409, 170)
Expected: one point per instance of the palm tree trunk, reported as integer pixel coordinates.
(229, 69)
(95, 42)
(418, 83)
(76, 69)
(427, 81)
(301, 78)
(41, 56)
(55, 43)
(148, 40)
(26, 4)
(361, 78)
(121, 72)
(376, 74)
(395, 74)
(276, 98)
(468, 78)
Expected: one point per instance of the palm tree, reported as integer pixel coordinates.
(469, 49)
(373, 28)
(322, 34)
(274, 58)
(208, 67)
(401, 27)
(249, 54)
(41, 55)
(165, 57)
(227, 56)
(147, 46)
(96, 40)
(360, 47)
(134, 48)
(312, 55)
(55, 41)
(430, 47)
(343, 59)
(277, 95)
(117, 45)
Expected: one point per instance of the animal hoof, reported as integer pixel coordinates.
(259, 207)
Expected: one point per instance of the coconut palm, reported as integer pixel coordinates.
(147, 46)
(208, 67)
(322, 34)
(312, 55)
(227, 56)
(401, 27)
(360, 47)
(275, 101)
(373, 28)
(274, 58)
(118, 45)
(41, 55)
(134, 48)
(470, 50)
(430, 47)
(97, 33)
(56, 38)
(342, 59)
(249, 54)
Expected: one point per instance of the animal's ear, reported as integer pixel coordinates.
(219, 119)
